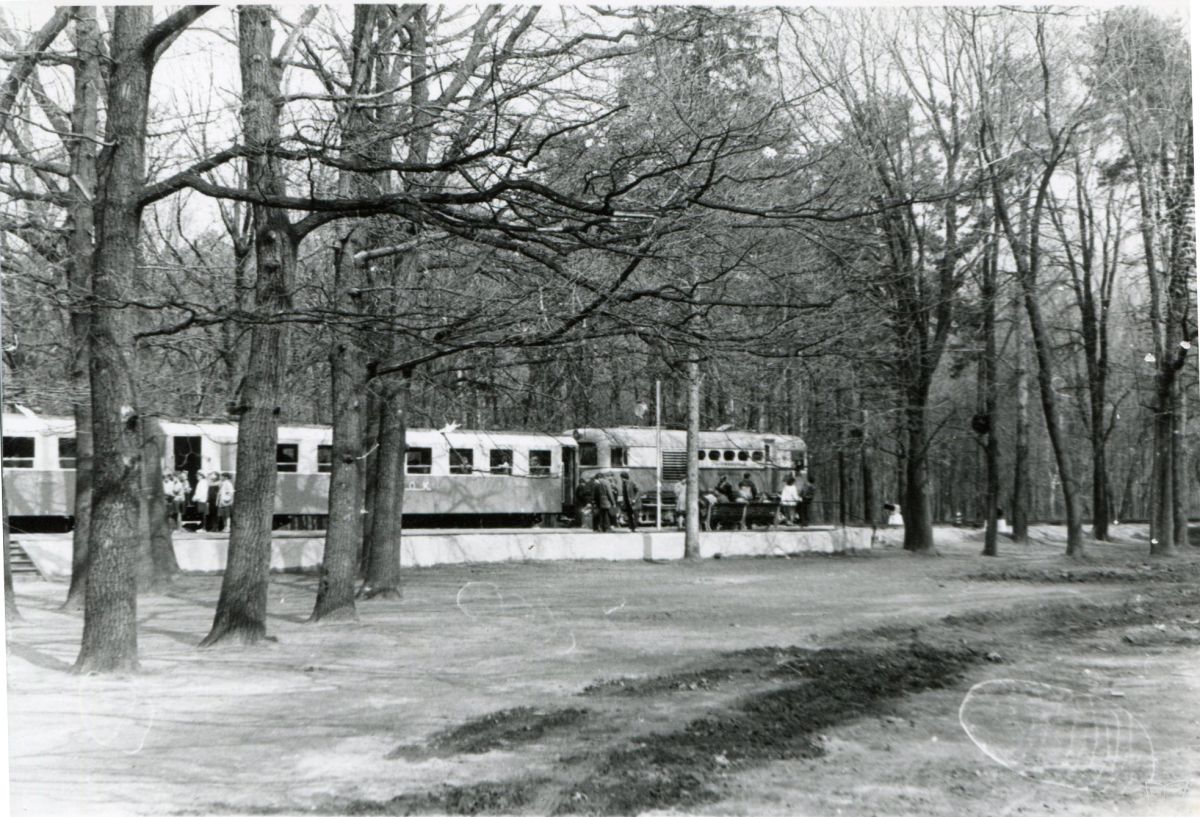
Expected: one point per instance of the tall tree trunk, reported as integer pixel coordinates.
(109, 642)
(1050, 409)
(691, 532)
(918, 523)
(344, 534)
(1179, 479)
(870, 498)
(383, 562)
(987, 377)
(1019, 512)
(79, 282)
(162, 551)
(242, 607)
(11, 613)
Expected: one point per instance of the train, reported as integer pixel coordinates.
(453, 477)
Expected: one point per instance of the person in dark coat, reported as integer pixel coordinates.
(212, 519)
(587, 499)
(630, 499)
(606, 504)
(725, 489)
(807, 492)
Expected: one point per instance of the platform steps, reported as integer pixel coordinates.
(18, 559)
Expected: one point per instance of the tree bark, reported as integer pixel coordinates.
(987, 376)
(691, 535)
(109, 641)
(162, 551)
(344, 534)
(383, 562)
(79, 282)
(242, 606)
(1019, 512)
(11, 613)
(918, 522)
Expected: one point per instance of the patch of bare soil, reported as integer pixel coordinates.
(776, 705)
(1175, 571)
(505, 729)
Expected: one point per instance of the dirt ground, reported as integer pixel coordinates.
(880, 684)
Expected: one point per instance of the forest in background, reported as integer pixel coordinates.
(953, 249)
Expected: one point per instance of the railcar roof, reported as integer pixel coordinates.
(32, 423)
(644, 437)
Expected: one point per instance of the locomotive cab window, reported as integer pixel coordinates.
(798, 460)
(67, 453)
(618, 457)
(501, 460)
(588, 455)
(462, 460)
(324, 459)
(418, 461)
(287, 456)
(18, 452)
(539, 463)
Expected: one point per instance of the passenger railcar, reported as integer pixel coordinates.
(451, 476)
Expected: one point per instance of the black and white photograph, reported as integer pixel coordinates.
(600, 410)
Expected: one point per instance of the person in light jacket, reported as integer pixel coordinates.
(224, 500)
(789, 498)
(200, 498)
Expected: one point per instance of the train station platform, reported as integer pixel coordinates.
(301, 551)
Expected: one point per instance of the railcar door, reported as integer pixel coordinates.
(186, 454)
(569, 475)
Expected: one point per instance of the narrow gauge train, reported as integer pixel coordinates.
(768, 458)
(452, 477)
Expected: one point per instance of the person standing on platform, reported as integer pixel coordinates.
(606, 503)
(789, 498)
(211, 516)
(630, 500)
(200, 498)
(224, 501)
(807, 492)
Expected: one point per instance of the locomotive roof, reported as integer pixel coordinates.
(646, 437)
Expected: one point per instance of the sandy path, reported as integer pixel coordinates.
(314, 715)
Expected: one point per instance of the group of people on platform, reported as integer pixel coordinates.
(606, 501)
(795, 499)
(212, 497)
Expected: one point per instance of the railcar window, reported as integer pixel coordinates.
(324, 459)
(501, 460)
(287, 455)
(757, 456)
(798, 460)
(462, 460)
(539, 463)
(418, 461)
(67, 453)
(618, 457)
(714, 455)
(728, 456)
(700, 456)
(743, 456)
(18, 452)
(588, 455)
